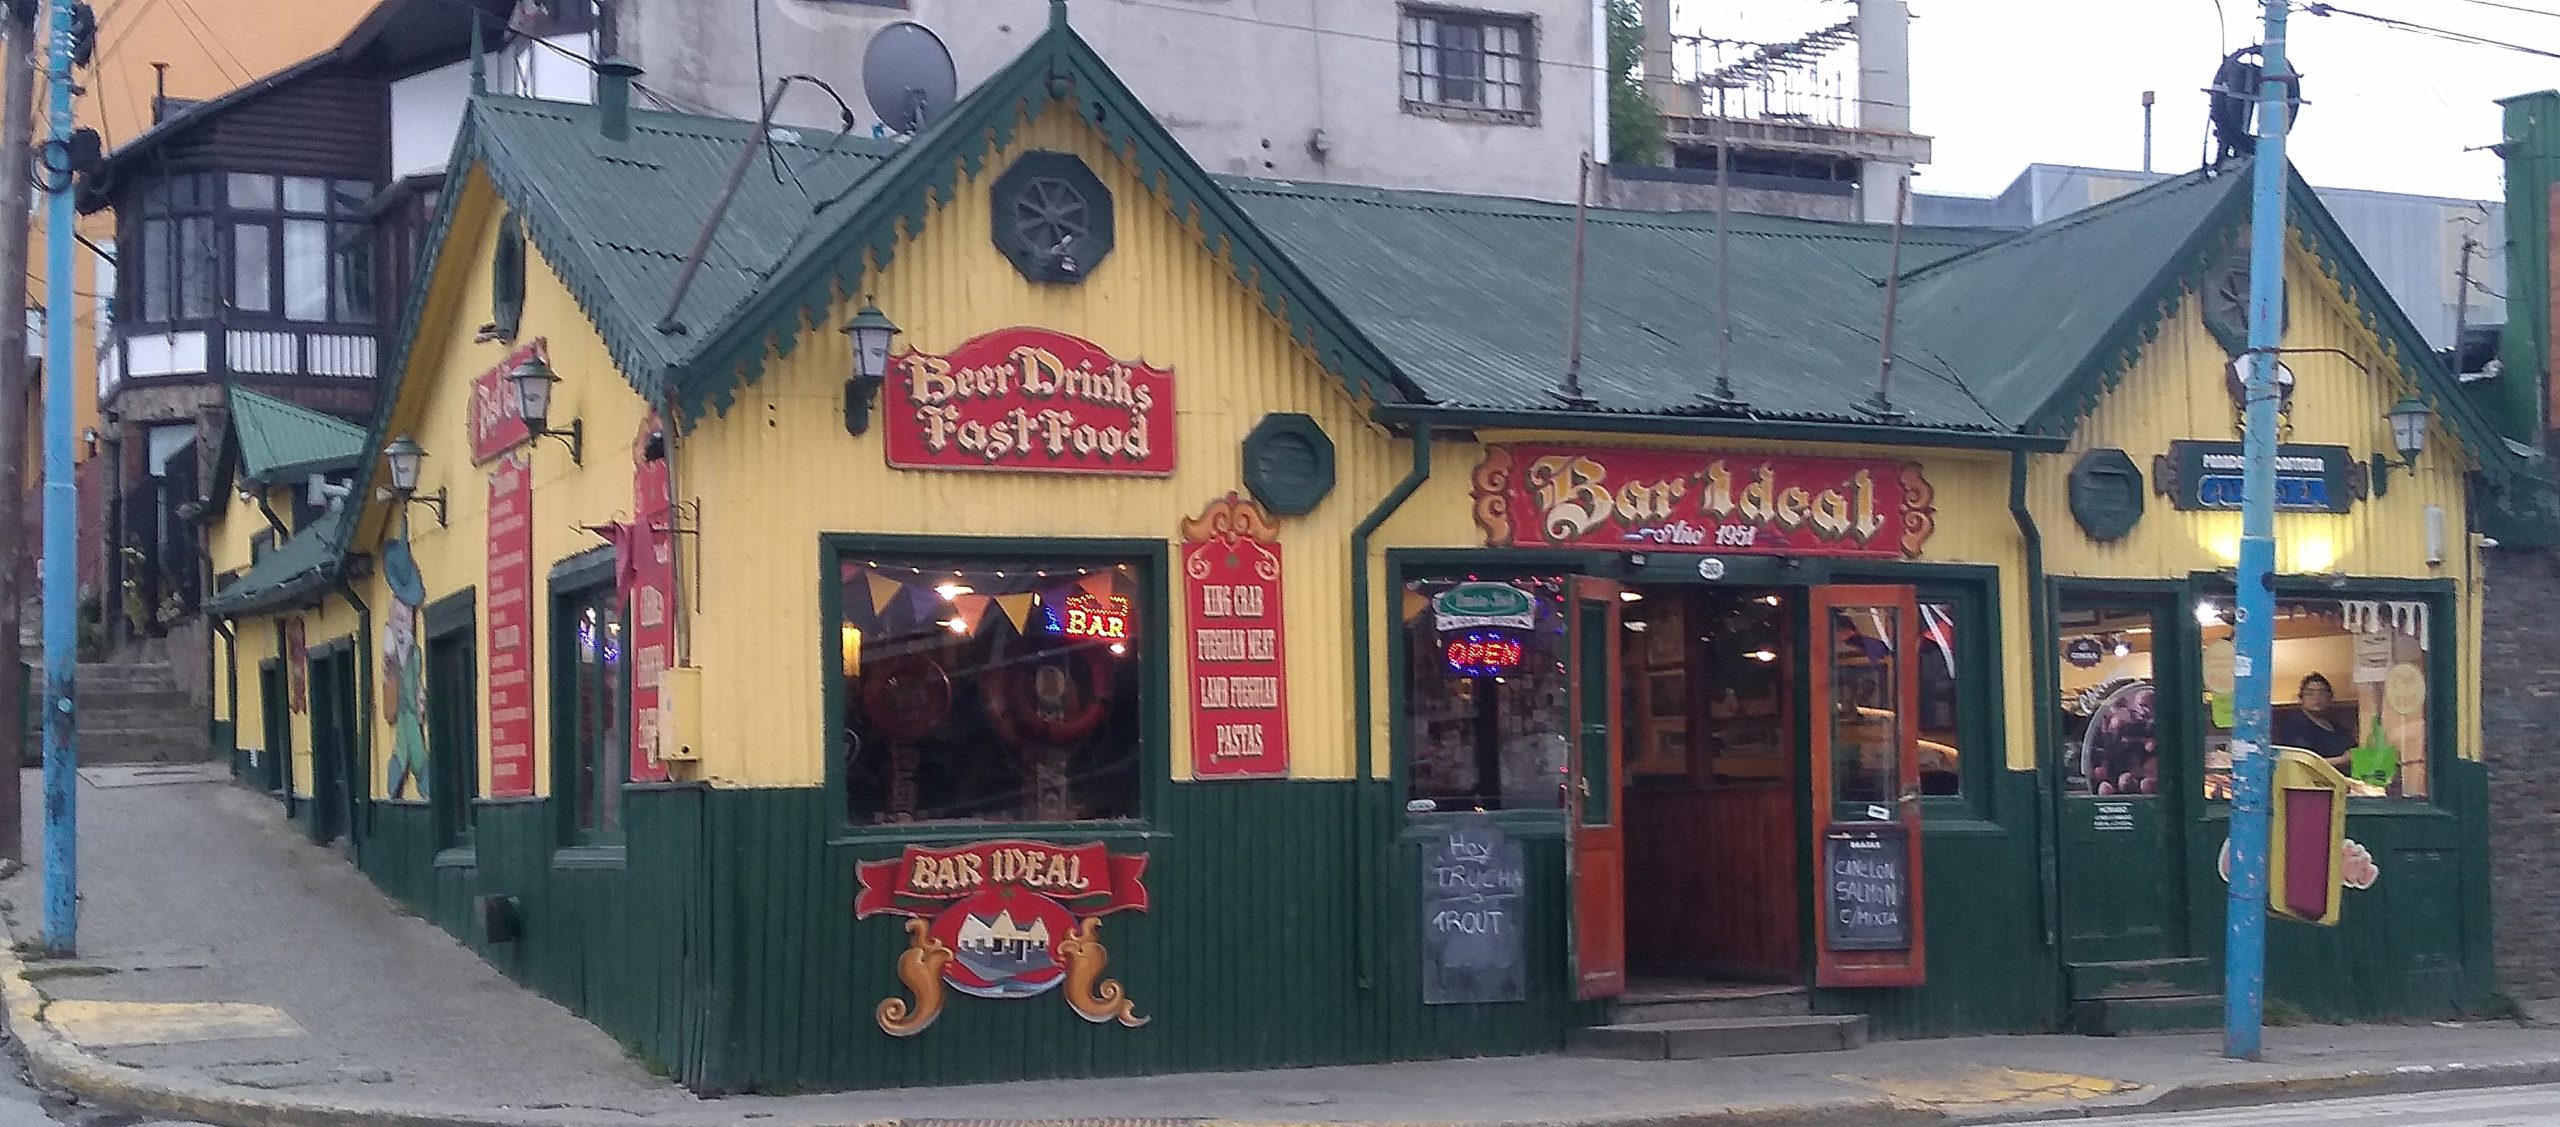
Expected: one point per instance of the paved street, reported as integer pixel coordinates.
(2494, 1107)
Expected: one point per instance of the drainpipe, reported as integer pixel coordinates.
(2041, 672)
(1365, 916)
(360, 783)
(222, 629)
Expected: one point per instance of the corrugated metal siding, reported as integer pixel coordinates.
(1157, 298)
(2175, 391)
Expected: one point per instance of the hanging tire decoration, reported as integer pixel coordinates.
(1042, 705)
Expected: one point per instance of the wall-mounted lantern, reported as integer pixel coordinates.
(534, 382)
(404, 458)
(2409, 420)
(871, 331)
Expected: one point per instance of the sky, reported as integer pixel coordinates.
(2001, 84)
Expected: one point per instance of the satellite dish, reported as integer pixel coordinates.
(907, 75)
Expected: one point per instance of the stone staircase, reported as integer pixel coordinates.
(1696, 1021)
(2145, 996)
(135, 712)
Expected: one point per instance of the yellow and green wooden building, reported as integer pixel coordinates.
(1214, 611)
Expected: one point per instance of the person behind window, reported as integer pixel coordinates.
(2314, 727)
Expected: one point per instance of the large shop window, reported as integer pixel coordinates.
(991, 690)
(2110, 706)
(591, 691)
(2350, 685)
(1485, 689)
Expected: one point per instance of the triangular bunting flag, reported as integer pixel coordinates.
(1097, 584)
(928, 602)
(971, 609)
(1414, 605)
(883, 589)
(1017, 609)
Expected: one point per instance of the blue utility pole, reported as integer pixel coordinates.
(61, 516)
(2252, 766)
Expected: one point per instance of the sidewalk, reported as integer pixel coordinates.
(232, 973)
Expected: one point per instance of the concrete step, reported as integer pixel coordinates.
(2143, 978)
(101, 744)
(1689, 1003)
(165, 702)
(127, 676)
(1701, 1038)
(2116, 1017)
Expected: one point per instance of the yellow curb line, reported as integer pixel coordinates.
(57, 1062)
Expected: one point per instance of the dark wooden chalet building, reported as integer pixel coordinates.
(265, 240)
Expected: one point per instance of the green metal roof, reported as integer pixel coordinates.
(2027, 317)
(278, 440)
(1471, 297)
(291, 572)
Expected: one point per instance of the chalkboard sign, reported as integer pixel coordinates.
(1473, 925)
(1866, 887)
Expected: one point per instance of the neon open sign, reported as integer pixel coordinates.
(1483, 653)
(1100, 617)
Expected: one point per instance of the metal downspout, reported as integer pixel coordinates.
(360, 782)
(2041, 671)
(1363, 886)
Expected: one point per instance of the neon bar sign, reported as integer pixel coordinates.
(1099, 617)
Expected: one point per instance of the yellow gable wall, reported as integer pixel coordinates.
(434, 410)
(778, 471)
(2175, 390)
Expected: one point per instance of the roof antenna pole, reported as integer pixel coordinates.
(1880, 404)
(1571, 392)
(667, 322)
(479, 59)
(1723, 395)
(2462, 300)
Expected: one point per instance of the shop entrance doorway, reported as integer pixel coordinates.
(1706, 700)
(1709, 721)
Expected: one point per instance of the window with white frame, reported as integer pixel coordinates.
(1471, 64)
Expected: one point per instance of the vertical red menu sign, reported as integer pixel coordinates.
(510, 617)
(1239, 673)
(651, 575)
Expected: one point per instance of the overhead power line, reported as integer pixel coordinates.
(2427, 29)
(2515, 8)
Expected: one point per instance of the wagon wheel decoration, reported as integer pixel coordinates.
(1050, 215)
(906, 698)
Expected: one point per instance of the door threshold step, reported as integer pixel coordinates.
(2143, 978)
(1654, 993)
(1683, 1001)
(2116, 1017)
(1702, 1038)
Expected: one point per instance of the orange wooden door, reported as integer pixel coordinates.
(1869, 911)
(1598, 854)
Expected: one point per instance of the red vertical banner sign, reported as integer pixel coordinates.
(510, 617)
(297, 664)
(1239, 669)
(649, 579)
(496, 424)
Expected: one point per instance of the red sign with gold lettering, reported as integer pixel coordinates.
(495, 422)
(1239, 669)
(1028, 400)
(1691, 501)
(1003, 919)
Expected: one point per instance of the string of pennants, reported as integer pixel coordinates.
(931, 603)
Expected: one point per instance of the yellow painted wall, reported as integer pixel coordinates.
(780, 472)
(2175, 390)
(434, 409)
